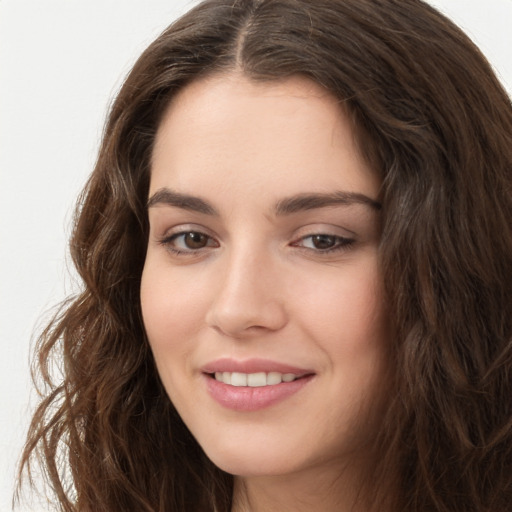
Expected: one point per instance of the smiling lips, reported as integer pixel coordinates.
(253, 385)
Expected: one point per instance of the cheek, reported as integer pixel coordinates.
(172, 310)
(348, 322)
(346, 309)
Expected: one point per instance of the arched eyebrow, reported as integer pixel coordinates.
(168, 197)
(308, 201)
(285, 206)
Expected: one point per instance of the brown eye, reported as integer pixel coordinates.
(195, 240)
(323, 242)
(188, 242)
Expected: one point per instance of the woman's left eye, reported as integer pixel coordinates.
(323, 242)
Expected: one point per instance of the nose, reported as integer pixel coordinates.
(249, 298)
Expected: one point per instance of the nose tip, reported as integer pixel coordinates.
(248, 302)
(244, 320)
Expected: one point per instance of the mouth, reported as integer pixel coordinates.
(253, 385)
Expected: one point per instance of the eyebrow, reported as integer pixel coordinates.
(285, 206)
(307, 201)
(168, 197)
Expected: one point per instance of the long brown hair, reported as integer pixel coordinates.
(431, 117)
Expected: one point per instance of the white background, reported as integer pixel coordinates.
(61, 63)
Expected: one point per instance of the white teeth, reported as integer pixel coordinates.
(238, 379)
(254, 380)
(273, 378)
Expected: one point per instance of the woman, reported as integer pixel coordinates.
(297, 259)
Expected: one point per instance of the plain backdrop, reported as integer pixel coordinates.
(61, 63)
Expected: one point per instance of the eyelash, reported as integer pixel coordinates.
(168, 241)
(340, 243)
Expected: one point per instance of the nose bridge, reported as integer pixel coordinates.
(249, 294)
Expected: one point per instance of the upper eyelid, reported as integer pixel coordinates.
(304, 231)
(170, 236)
(325, 229)
(326, 224)
(186, 228)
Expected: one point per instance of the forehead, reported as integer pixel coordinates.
(290, 133)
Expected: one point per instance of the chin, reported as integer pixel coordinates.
(267, 455)
(247, 458)
(244, 465)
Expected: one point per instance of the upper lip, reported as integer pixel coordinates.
(252, 366)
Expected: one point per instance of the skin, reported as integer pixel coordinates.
(257, 284)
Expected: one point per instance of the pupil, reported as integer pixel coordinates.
(195, 240)
(323, 241)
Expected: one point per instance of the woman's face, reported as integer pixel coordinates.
(261, 291)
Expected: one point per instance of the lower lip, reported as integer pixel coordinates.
(245, 398)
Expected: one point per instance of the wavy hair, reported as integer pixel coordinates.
(433, 120)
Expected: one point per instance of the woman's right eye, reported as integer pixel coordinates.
(188, 242)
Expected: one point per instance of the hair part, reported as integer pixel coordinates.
(433, 120)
